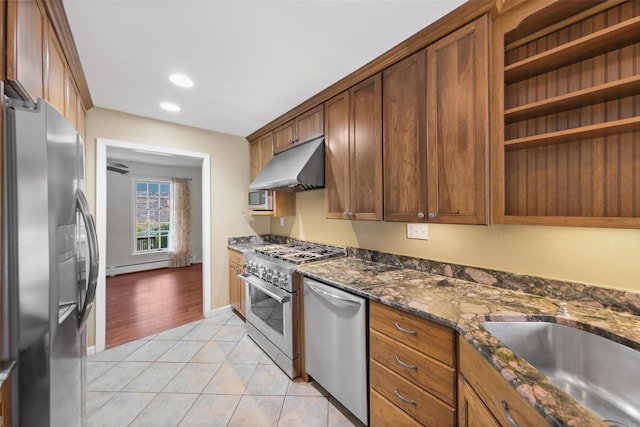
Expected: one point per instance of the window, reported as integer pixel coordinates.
(151, 216)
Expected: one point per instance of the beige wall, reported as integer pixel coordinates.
(229, 179)
(604, 257)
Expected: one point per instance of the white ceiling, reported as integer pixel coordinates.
(251, 61)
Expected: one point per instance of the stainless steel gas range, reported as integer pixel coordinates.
(272, 293)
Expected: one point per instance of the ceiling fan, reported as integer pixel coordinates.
(117, 167)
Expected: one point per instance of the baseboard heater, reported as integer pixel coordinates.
(133, 268)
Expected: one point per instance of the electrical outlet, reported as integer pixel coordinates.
(281, 220)
(418, 231)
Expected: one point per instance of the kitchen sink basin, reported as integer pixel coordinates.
(600, 374)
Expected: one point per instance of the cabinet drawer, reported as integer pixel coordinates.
(492, 388)
(430, 374)
(425, 408)
(423, 335)
(384, 413)
(236, 257)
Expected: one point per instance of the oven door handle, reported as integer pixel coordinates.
(278, 295)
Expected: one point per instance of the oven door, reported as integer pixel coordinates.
(272, 311)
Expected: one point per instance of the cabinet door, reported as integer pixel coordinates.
(255, 160)
(234, 288)
(82, 112)
(365, 120)
(336, 139)
(5, 402)
(56, 73)
(266, 149)
(310, 125)
(260, 152)
(404, 106)
(457, 93)
(25, 48)
(284, 136)
(71, 111)
(472, 412)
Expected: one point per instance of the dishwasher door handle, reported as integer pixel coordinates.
(347, 301)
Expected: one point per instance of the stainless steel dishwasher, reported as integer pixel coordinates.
(335, 329)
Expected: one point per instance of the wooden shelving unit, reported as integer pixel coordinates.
(568, 149)
(593, 95)
(591, 45)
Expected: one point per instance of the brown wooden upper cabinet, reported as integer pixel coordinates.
(260, 152)
(306, 126)
(436, 131)
(56, 73)
(458, 126)
(26, 26)
(404, 112)
(36, 62)
(353, 143)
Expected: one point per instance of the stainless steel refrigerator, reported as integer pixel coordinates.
(51, 265)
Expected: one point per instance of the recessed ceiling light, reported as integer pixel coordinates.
(169, 106)
(181, 80)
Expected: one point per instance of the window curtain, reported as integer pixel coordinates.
(180, 222)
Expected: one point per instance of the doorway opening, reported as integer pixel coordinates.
(148, 302)
(136, 298)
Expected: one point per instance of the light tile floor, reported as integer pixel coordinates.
(205, 373)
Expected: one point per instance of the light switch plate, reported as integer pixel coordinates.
(418, 231)
(281, 220)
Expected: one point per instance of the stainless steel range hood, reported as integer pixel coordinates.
(296, 169)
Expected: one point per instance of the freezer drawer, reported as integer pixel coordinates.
(335, 327)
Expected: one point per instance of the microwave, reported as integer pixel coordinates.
(261, 200)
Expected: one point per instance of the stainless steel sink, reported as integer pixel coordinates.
(600, 374)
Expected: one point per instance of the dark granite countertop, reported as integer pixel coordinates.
(463, 305)
(246, 247)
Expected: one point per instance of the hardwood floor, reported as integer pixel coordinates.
(144, 303)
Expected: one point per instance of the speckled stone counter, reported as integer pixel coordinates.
(249, 243)
(463, 305)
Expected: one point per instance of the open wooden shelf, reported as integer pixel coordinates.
(568, 135)
(601, 93)
(258, 213)
(596, 43)
(284, 204)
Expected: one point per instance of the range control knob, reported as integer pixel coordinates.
(283, 280)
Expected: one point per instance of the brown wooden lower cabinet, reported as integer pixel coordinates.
(491, 389)
(236, 286)
(384, 413)
(422, 406)
(412, 369)
(5, 403)
(472, 412)
(427, 373)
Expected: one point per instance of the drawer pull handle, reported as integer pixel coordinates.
(403, 330)
(507, 413)
(406, 365)
(404, 399)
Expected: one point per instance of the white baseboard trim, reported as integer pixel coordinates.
(91, 350)
(134, 268)
(217, 310)
(123, 269)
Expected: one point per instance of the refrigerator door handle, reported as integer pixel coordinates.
(92, 242)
